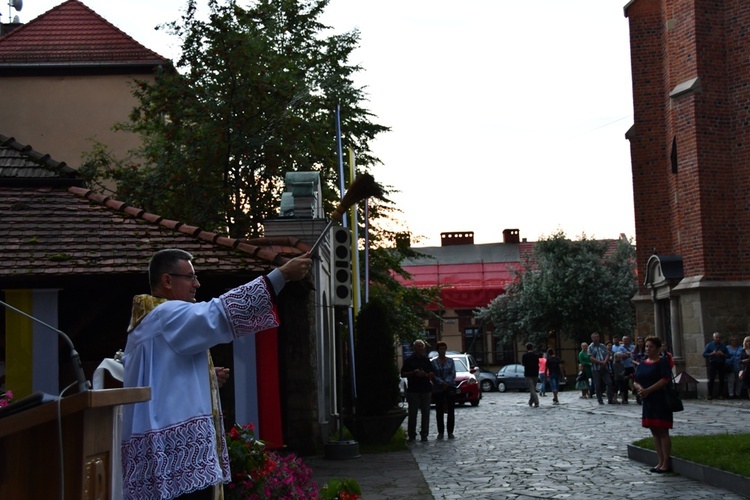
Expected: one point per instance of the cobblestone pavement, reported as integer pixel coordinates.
(506, 450)
(578, 449)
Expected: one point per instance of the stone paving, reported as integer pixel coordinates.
(505, 449)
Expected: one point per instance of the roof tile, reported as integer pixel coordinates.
(55, 231)
(73, 33)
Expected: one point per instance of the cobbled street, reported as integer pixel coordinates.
(505, 449)
(578, 449)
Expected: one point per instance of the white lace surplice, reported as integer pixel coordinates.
(169, 444)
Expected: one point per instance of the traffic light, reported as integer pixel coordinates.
(341, 266)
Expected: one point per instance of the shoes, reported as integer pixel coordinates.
(536, 405)
(440, 436)
(424, 439)
(614, 403)
(530, 403)
(411, 440)
(601, 402)
(654, 469)
(451, 436)
(662, 471)
(555, 402)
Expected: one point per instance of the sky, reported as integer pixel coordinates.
(504, 114)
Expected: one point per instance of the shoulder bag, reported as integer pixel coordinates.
(674, 400)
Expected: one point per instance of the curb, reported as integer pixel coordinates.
(699, 472)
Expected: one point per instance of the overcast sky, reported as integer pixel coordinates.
(504, 113)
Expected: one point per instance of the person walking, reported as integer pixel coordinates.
(651, 379)
(418, 372)
(444, 390)
(716, 354)
(530, 362)
(554, 374)
(542, 375)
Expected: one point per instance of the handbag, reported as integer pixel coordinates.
(674, 400)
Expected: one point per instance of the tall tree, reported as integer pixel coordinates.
(568, 287)
(254, 97)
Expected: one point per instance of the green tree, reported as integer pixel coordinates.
(254, 97)
(568, 287)
(408, 306)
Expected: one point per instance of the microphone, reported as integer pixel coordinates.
(83, 384)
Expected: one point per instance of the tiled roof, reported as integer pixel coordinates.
(20, 164)
(49, 232)
(73, 34)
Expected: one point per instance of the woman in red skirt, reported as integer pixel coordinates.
(651, 379)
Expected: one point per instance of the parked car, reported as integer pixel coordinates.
(467, 358)
(487, 380)
(511, 377)
(468, 388)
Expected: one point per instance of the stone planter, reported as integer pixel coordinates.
(375, 429)
(699, 472)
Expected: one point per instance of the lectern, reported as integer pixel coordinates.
(30, 446)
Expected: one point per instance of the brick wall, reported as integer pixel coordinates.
(702, 211)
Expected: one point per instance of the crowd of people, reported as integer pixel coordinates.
(619, 368)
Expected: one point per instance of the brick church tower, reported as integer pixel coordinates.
(690, 151)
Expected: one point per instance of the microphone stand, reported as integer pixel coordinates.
(83, 384)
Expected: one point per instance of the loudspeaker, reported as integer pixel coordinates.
(341, 266)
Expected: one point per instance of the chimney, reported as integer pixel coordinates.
(457, 238)
(6, 28)
(511, 236)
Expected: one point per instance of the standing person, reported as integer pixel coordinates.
(610, 368)
(530, 362)
(637, 357)
(554, 374)
(418, 372)
(585, 360)
(716, 354)
(625, 351)
(599, 369)
(173, 446)
(734, 384)
(444, 387)
(745, 364)
(620, 382)
(582, 382)
(651, 379)
(542, 375)
(639, 351)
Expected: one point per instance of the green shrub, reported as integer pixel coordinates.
(377, 371)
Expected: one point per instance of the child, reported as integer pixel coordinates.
(582, 383)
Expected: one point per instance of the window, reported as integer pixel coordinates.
(474, 343)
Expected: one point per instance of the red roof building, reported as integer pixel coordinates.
(66, 78)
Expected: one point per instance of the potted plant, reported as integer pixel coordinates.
(378, 415)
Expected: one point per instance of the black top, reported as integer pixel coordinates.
(417, 384)
(553, 366)
(530, 362)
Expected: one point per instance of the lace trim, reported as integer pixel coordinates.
(173, 461)
(250, 308)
